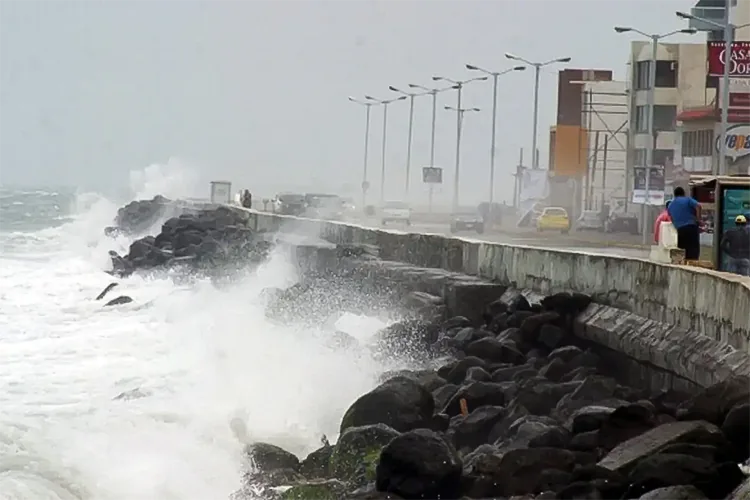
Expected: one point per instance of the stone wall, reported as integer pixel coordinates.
(711, 303)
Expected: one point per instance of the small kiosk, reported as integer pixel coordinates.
(722, 198)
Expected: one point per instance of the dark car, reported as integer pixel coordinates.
(467, 222)
(324, 206)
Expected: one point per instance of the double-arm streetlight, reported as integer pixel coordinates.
(385, 103)
(537, 69)
(411, 96)
(494, 76)
(459, 85)
(650, 121)
(460, 113)
(729, 32)
(365, 184)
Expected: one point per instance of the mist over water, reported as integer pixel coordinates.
(201, 355)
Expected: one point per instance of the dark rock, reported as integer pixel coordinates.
(519, 303)
(410, 339)
(662, 470)
(105, 291)
(443, 394)
(519, 471)
(506, 374)
(138, 216)
(566, 303)
(267, 457)
(682, 492)
(566, 354)
(713, 403)
(580, 490)
(585, 441)
(472, 430)
(589, 418)
(516, 319)
(477, 374)
(553, 437)
(315, 465)
(532, 325)
(553, 480)
(593, 390)
(476, 394)
(736, 428)
(551, 336)
(419, 464)
(541, 397)
(624, 423)
(455, 373)
(495, 351)
(555, 370)
(318, 489)
(428, 379)
(122, 299)
(455, 322)
(357, 451)
(400, 403)
(498, 323)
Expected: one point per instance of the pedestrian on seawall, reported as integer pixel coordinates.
(736, 244)
(685, 213)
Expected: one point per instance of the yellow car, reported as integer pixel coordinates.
(553, 219)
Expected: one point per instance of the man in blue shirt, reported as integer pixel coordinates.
(685, 213)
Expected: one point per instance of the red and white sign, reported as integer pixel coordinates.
(739, 66)
(739, 99)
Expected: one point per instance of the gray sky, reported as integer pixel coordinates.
(256, 91)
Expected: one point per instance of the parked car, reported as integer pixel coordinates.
(467, 222)
(590, 220)
(396, 211)
(289, 204)
(553, 219)
(622, 222)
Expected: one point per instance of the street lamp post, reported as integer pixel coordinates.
(411, 96)
(650, 123)
(729, 32)
(385, 103)
(433, 92)
(494, 76)
(365, 184)
(459, 84)
(537, 69)
(460, 113)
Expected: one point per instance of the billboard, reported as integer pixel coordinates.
(432, 175)
(739, 66)
(738, 141)
(656, 186)
(570, 150)
(221, 192)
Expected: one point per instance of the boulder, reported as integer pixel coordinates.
(117, 301)
(736, 428)
(357, 451)
(400, 403)
(495, 351)
(267, 457)
(419, 464)
(315, 465)
(713, 403)
(476, 394)
(328, 489)
(472, 431)
(682, 492)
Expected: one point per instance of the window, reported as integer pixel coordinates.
(641, 76)
(665, 118)
(697, 143)
(641, 118)
(666, 74)
(661, 157)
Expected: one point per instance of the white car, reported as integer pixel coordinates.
(396, 211)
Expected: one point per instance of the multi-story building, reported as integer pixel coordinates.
(681, 85)
(569, 139)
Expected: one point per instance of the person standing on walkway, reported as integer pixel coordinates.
(663, 217)
(736, 244)
(685, 213)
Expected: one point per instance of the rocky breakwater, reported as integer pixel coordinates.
(198, 237)
(514, 406)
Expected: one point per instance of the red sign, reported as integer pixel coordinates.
(739, 66)
(739, 99)
(738, 115)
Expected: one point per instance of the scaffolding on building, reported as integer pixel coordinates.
(609, 136)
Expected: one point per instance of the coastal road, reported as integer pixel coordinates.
(583, 242)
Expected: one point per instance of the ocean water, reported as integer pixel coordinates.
(201, 356)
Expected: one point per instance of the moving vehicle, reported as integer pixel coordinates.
(590, 220)
(553, 219)
(467, 222)
(289, 204)
(396, 211)
(324, 206)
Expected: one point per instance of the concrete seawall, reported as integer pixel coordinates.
(690, 322)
